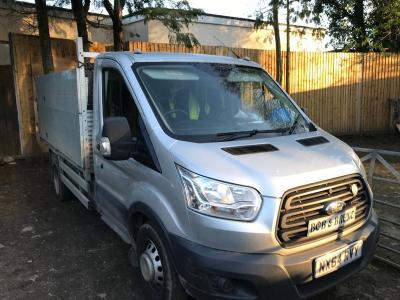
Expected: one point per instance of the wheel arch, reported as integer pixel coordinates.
(140, 213)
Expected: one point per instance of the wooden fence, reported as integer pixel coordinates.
(388, 242)
(344, 93)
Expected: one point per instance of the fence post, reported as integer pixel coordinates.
(371, 168)
(359, 93)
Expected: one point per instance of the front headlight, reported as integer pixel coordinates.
(219, 199)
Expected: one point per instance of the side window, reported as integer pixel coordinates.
(117, 100)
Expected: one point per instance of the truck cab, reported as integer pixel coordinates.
(221, 183)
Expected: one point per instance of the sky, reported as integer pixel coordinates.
(234, 8)
(238, 8)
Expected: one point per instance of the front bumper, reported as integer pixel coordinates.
(207, 273)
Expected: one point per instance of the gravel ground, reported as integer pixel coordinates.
(53, 250)
(56, 250)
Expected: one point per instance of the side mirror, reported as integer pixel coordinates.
(116, 142)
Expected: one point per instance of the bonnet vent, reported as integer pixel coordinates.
(313, 141)
(240, 150)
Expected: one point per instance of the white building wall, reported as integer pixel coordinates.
(61, 24)
(212, 31)
(208, 29)
(135, 30)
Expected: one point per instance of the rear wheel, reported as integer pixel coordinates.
(157, 273)
(61, 190)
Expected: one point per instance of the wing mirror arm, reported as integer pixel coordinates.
(116, 142)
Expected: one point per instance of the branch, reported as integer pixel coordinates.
(338, 7)
(109, 9)
(31, 26)
(97, 23)
(86, 6)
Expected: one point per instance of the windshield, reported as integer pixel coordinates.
(212, 102)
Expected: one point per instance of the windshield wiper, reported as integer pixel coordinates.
(230, 136)
(310, 125)
(294, 125)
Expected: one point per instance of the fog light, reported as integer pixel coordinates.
(225, 285)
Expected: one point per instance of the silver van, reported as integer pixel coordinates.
(221, 183)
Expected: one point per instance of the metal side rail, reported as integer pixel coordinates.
(74, 179)
(374, 156)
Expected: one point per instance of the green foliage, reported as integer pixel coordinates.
(269, 15)
(385, 21)
(264, 14)
(175, 15)
(357, 25)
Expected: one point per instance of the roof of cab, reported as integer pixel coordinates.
(177, 57)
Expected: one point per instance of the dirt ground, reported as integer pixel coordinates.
(54, 250)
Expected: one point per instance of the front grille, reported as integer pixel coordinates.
(306, 203)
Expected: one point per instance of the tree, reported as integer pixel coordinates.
(266, 16)
(287, 71)
(346, 23)
(176, 17)
(358, 25)
(115, 13)
(385, 24)
(80, 9)
(44, 36)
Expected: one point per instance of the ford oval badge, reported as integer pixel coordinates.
(334, 207)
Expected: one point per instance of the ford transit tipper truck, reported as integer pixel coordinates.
(223, 186)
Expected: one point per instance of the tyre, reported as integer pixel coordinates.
(61, 190)
(157, 274)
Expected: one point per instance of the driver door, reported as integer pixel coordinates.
(114, 179)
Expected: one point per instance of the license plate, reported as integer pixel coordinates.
(333, 261)
(331, 223)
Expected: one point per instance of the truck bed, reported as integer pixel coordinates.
(65, 123)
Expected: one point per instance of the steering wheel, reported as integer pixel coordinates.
(175, 110)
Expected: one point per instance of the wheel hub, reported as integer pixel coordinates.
(146, 267)
(151, 266)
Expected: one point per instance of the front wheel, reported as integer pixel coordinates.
(157, 273)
